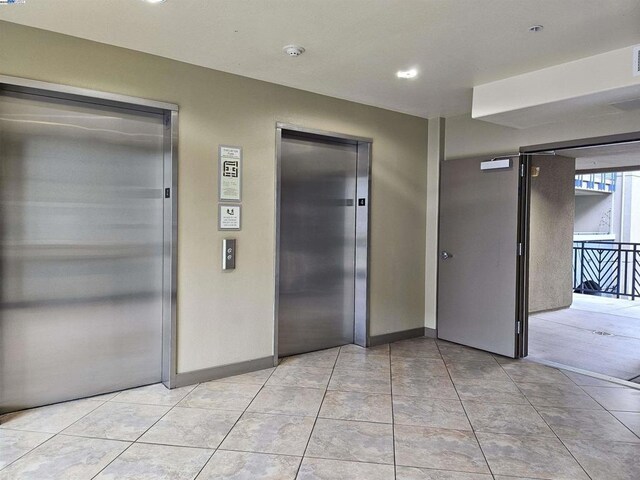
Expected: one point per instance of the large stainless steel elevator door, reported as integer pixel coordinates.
(317, 243)
(81, 245)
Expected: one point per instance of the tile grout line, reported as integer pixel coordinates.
(393, 418)
(234, 424)
(466, 414)
(315, 420)
(543, 419)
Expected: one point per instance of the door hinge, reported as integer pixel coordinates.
(167, 193)
(518, 325)
(522, 170)
(520, 249)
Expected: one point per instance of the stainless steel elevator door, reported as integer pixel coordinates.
(81, 244)
(317, 244)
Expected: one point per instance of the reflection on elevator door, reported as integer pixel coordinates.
(317, 244)
(81, 244)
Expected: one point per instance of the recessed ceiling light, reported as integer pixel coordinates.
(154, 1)
(407, 73)
(536, 28)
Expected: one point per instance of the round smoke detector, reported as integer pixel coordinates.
(293, 50)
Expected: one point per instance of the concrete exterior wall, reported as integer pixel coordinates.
(593, 213)
(229, 318)
(551, 239)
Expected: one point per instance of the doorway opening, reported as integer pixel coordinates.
(584, 258)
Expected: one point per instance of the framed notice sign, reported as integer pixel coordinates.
(229, 217)
(230, 173)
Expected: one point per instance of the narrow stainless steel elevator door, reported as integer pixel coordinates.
(81, 244)
(317, 244)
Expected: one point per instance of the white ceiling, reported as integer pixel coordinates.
(354, 47)
(614, 157)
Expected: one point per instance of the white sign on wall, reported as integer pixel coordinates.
(229, 217)
(230, 173)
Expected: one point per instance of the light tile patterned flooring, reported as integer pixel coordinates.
(414, 410)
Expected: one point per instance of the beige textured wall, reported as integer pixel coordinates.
(227, 318)
(466, 137)
(551, 240)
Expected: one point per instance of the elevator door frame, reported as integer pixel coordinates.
(169, 113)
(361, 333)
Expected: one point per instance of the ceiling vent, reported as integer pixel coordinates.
(636, 60)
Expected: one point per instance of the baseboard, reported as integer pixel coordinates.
(430, 332)
(402, 335)
(214, 373)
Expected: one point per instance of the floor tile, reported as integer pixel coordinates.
(353, 441)
(595, 424)
(308, 377)
(506, 418)
(620, 399)
(192, 427)
(15, 443)
(415, 348)
(477, 372)
(377, 350)
(607, 460)
(557, 395)
(65, 458)
(263, 433)
(429, 412)
(413, 473)
(221, 396)
(145, 462)
(586, 381)
(321, 358)
(420, 386)
(117, 421)
(156, 394)
(259, 377)
(529, 456)
(250, 466)
(321, 469)
(361, 381)
(438, 448)
(491, 392)
(49, 419)
(426, 367)
(288, 401)
(630, 419)
(534, 373)
(365, 407)
(355, 361)
(458, 354)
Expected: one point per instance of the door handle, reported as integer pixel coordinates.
(446, 255)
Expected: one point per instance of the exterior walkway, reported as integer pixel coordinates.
(567, 336)
(414, 410)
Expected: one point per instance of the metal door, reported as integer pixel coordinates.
(479, 276)
(81, 249)
(317, 243)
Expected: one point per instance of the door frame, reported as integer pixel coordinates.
(169, 112)
(527, 152)
(361, 334)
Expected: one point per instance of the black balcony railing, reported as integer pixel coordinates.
(607, 268)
